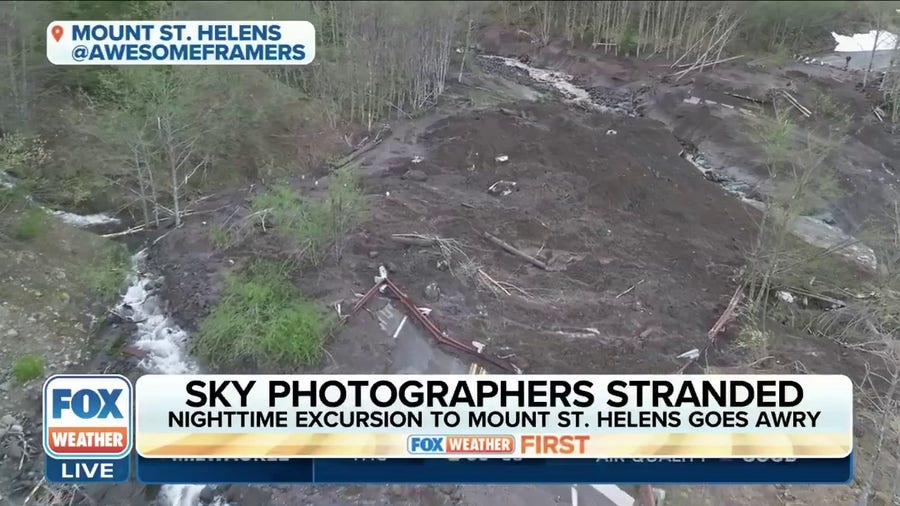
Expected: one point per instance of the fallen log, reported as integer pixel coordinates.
(796, 103)
(708, 63)
(632, 287)
(745, 97)
(816, 296)
(509, 248)
(728, 315)
(414, 239)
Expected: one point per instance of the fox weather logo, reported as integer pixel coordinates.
(87, 416)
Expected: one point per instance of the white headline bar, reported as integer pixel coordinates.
(609, 416)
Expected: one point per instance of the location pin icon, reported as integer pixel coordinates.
(56, 32)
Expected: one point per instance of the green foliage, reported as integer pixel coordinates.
(628, 41)
(32, 223)
(314, 226)
(303, 222)
(29, 159)
(12, 195)
(262, 320)
(777, 57)
(753, 340)
(27, 368)
(775, 137)
(799, 164)
(220, 236)
(23, 155)
(803, 181)
(107, 274)
(346, 206)
(837, 113)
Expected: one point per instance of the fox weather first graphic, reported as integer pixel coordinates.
(88, 428)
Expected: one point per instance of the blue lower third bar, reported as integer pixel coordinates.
(87, 470)
(535, 471)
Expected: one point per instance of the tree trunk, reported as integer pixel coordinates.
(142, 185)
(465, 51)
(871, 57)
(175, 192)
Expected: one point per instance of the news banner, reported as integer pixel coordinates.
(171, 429)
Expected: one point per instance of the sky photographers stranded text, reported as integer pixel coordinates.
(519, 393)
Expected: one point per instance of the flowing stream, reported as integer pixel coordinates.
(165, 348)
(162, 342)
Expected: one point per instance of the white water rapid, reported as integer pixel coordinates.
(164, 344)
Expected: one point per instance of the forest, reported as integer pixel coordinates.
(140, 139)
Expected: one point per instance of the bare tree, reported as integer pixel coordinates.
(880, 14)
(178, 146)
(462, 62)
(17, 36)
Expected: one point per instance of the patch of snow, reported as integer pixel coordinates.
(86, 220)
(864, 41)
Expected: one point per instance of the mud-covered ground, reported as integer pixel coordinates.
(605, 211)
(643, 249)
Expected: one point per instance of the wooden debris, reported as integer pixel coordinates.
(34, 490)
(708, 63)
(745, 97)
(477, 369)
(165, 219)
(364, 147)
(509, 248)
(132, 230)
(530, 36)
(415, 239)
(817, 296)
(878, 114)
(695, 44)
(704, 59)
(803, 110)
(632, 287)
(728, 315)
(400, 327)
